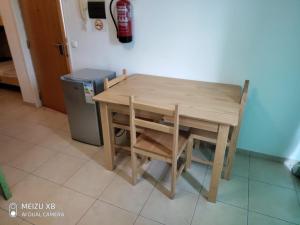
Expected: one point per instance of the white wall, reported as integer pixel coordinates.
(165, 42)
(218, 40)
(16, 36)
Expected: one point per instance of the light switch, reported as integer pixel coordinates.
(74, 44)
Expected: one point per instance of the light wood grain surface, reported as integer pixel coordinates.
(212, 102)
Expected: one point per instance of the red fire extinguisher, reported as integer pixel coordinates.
(124, 20)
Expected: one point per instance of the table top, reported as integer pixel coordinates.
(212, 102)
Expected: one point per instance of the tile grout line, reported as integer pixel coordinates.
(200, 194)
(266, 215)
(63, 186)
(194, 212)
(149, 219)
(275, 185)
(50, 181)
(140, 211)
(105, 188)
(249, 210)
(83, 164)
(50, 158)
(86, 211)
(22, 219)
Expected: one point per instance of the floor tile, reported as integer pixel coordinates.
(274, 201)
(192, 180)
(12, 148)
(255, 218)
(59, 168)
(32, 159)
(241, 164)
(34, 133)
(171, 212)
(53, 119)
(37, 190)
(13, 127)
(72, 204)
(218, 214)
(6, 220)
(16, 111)
(144, 221)
(4, 139)
(124, 168)
(81, 150)
(105, 214)
(47, 117)
(271, 172)
(58, 140)
(99, 157)
(91, 179)
(233, 191)
(13, 175)
(155, 169)
(204, 151)
(127, 196)
(31, 189)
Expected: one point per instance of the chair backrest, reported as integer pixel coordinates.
(245, 92)
(109, 83)
(172, 129)
(243, 100)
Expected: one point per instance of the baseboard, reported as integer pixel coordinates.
(266, 156)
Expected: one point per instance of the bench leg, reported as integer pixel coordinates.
(4, 186)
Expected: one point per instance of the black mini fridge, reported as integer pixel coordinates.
(83, 113)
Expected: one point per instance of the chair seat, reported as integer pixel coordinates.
(160, 143)
(207, 136)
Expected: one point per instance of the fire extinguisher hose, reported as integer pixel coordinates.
(112, 15)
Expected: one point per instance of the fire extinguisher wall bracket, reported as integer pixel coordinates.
(124, 20)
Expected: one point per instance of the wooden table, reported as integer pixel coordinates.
(204, 105)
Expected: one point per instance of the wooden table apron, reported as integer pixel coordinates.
(217, 110)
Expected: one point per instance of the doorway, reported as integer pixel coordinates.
(47, 43)
(8, 75)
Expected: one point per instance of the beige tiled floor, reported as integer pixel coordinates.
(43, 164)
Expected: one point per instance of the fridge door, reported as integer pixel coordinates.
(82, 114)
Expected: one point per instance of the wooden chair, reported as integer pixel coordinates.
(4, 186)
(119, 117)
(109, 83)
(211, 137)
(158, 141)
(117, 120)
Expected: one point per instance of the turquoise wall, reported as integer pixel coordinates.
(263, 45)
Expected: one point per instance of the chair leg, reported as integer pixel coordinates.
(4, 186)
(229, 161)
(186, 159)
(189, 152)
(134, 167)
(173, 180)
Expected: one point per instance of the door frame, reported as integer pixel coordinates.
(15, 31)
(17, 40)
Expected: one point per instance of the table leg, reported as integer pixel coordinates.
(109, 160)
(218, 162)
